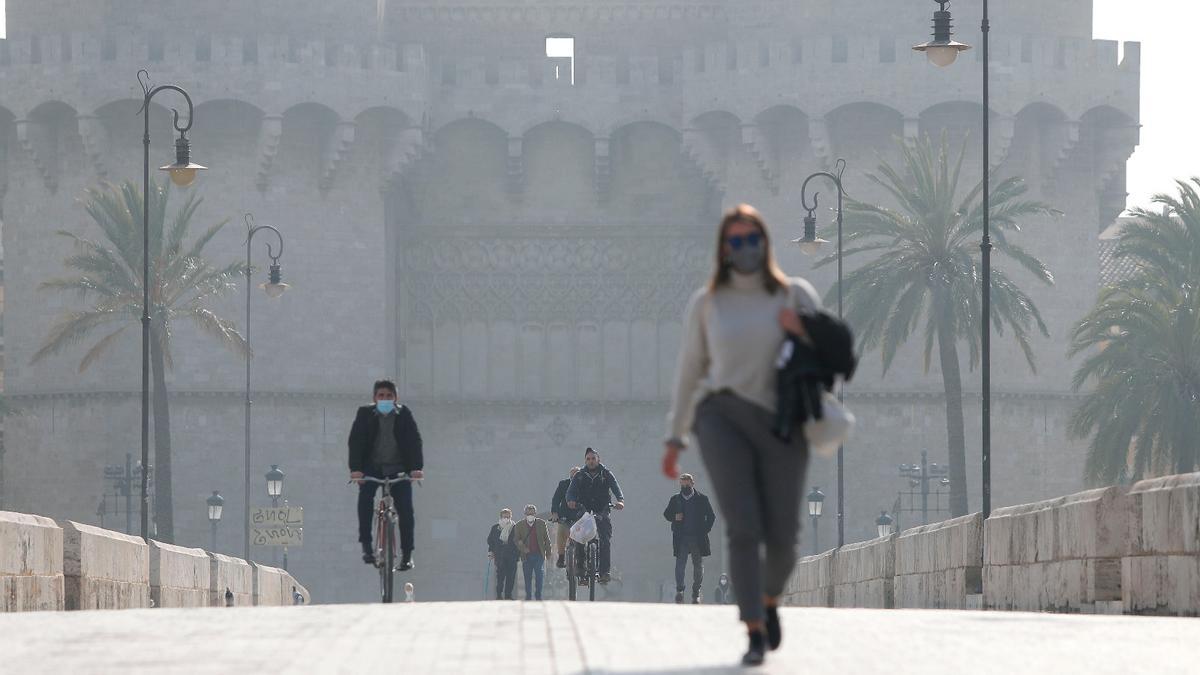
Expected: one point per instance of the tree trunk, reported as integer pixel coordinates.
(164, 512)
(955, 437)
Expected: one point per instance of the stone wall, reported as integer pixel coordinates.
(811, 584)
(939, 565)
(231, 580)
(1058, 555)
(1161, 569)
(268, 585)
(864, 574)
(31, 563)
(179, 577)
(104, 569)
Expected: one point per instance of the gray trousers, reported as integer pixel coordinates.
(758, 480)
(689, 546)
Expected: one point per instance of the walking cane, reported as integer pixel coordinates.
(487, 575)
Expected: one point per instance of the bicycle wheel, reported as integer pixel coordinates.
(387, 561)
(572, 585)
(593, 568)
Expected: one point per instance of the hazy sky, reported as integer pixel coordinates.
(1170, 138)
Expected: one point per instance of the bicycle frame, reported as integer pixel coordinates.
(385, 533)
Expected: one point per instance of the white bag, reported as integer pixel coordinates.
(826, 434)
(584, 529)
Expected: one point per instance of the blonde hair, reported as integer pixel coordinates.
(773, 278)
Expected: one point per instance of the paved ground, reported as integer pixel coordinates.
(555, 637)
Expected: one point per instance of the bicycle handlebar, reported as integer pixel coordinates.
(384, 481)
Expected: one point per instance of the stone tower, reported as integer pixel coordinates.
(513, 236)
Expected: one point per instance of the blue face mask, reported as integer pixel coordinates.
(385, 407)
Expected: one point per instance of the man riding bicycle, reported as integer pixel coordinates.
(589, 491)
(384, 441)
(564, 515)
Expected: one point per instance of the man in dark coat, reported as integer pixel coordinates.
(384, 441)
(589, 491)
(503, 552)
(563, 515)
(692, 518)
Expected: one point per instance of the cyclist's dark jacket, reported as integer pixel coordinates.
(366, 429)
(590, 491)
(558, 503)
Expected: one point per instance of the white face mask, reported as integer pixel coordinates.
(530, 519)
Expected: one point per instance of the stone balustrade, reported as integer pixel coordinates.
(31, 563)
(1109, 550)
(46, 565)
(1160, 572)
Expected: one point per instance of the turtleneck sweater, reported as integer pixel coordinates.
(731, 338)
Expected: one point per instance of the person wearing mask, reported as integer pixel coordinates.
(733, 329)
(724, 593)
(563, 515)
(589, 491)
(692, 518)
(384, 441)
(503, 553)
(532, 539)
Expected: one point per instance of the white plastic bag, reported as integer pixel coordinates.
(584, 529)
(826, 434)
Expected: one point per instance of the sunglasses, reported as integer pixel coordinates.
(736, 241)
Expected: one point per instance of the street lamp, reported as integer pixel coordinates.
(216, 504)
(815, 500)
(273, 287)
(941, 51)
(810, 244)
(182, 173)
(883, 524)
(275, 484)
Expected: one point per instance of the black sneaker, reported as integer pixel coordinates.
(604, 578)
(562, 562)
(757, 651)
(679, 597)
(368, 554)
(406, 562)
(774, 630)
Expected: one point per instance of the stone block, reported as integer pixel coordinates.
(1160, 573)
(31, 563)
(234, 575)
(811, 583)
(1059, 555)
(268, 586)
(179, 577)
(103, 569)
(940, 564)
(289, 585)
(864, 575)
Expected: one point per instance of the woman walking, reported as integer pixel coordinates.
(733, 330)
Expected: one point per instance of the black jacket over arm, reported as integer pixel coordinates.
(558, 504)
(675, 506)
(366, 429)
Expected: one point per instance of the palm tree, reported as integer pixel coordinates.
(108, 275)
(1143, 343)
(926, 274)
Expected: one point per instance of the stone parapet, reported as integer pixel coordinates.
(1059, 555)
(1161, 568)
(179, 577)
(103, 569)
(289, 587)
(939, 565)
(269, 585)
(234, 575)
(31, 563)
(811, 584)
(864, 574)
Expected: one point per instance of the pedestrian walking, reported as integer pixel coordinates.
(723, 595)
(564, 516)
(692, 518)
(532, 539)
(503, 553)
(732, 332)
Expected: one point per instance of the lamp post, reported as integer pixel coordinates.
(273, 287)
(182, 173)
(942, 51)
(883, 524)
(275, 491)
(810, 244)
(216, 504)
(815, 500)
(919, 475)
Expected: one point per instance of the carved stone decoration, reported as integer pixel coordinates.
(699, 152)
(269, 134)
(603, 169)
(1114, 146)
(339, 145)
(818, 136)
(95, 142)
(558, 430)
(34, 140)
(756, 144)
(516, 169)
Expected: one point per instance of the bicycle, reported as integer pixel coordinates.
(591, 564)
(385, 532)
